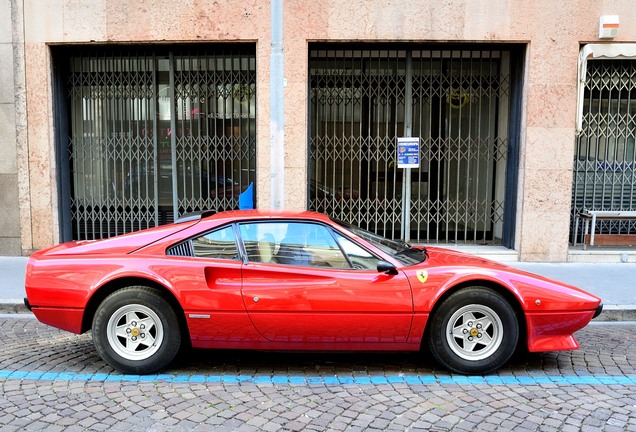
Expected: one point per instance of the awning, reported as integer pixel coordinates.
(616, 51)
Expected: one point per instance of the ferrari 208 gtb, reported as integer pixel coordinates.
(295, 281)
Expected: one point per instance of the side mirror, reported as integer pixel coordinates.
(388, 268)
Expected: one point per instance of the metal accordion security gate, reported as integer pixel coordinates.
(154, 133)
(605, 159)
(459, 102)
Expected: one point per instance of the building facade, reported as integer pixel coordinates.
(123, 115)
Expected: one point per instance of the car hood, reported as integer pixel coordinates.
(445, 268)
(464, 263)
(123, 244)
(446, 257)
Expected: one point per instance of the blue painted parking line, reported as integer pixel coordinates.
(361, 380)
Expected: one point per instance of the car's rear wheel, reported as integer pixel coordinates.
(474, 331)
(135, 330)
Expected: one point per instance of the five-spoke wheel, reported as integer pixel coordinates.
(135, 330)
(474, 331)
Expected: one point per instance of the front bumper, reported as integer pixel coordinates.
(599, 309)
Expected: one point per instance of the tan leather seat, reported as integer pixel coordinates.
(266, 248)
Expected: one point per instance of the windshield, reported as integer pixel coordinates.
(398, 249)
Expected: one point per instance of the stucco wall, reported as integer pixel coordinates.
(9, 100)
(552, 31)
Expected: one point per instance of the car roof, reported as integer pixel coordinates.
(241, 215)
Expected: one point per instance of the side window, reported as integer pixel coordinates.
(292, 243)
(220, 244)
(322, 247)
(359, 257)
(259, 241)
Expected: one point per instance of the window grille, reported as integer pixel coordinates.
(605, 159)
(157, 133)
(460, 108)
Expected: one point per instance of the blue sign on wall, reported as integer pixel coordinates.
(408, 152)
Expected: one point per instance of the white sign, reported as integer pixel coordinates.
(408, 152)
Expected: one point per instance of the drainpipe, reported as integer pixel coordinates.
(408, 125)
(277, 112)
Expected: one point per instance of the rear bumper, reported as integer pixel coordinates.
(62, 318)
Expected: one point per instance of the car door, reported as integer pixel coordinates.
(209, 282)
(299, 286)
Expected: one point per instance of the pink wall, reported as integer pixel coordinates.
(553, 32)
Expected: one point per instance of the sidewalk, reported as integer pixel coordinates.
(12, 292)
(615, 283)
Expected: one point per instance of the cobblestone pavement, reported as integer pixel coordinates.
(52, 380)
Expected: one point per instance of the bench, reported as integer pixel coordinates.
(594, 215)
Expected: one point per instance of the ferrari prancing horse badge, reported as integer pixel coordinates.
(422, 275)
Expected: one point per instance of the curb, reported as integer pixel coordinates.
(615, 313)
(13, 307)
(611, 313)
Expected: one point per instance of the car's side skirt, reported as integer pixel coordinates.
(308, 346)
(234, 330)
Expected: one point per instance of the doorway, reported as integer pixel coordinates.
(146, 134)
(460, 100)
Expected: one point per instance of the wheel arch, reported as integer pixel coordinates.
(500, 289)
(117, 284)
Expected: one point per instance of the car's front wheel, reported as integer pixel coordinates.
(474, 331)
(135, 330)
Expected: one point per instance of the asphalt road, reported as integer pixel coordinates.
(52, 380)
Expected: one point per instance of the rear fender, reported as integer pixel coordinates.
(113, 285)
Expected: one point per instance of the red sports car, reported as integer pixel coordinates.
(295, 281)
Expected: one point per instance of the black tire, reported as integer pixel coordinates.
(136, 331)
(474, 331)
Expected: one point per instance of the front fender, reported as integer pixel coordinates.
(434, 284)
(552, 311)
